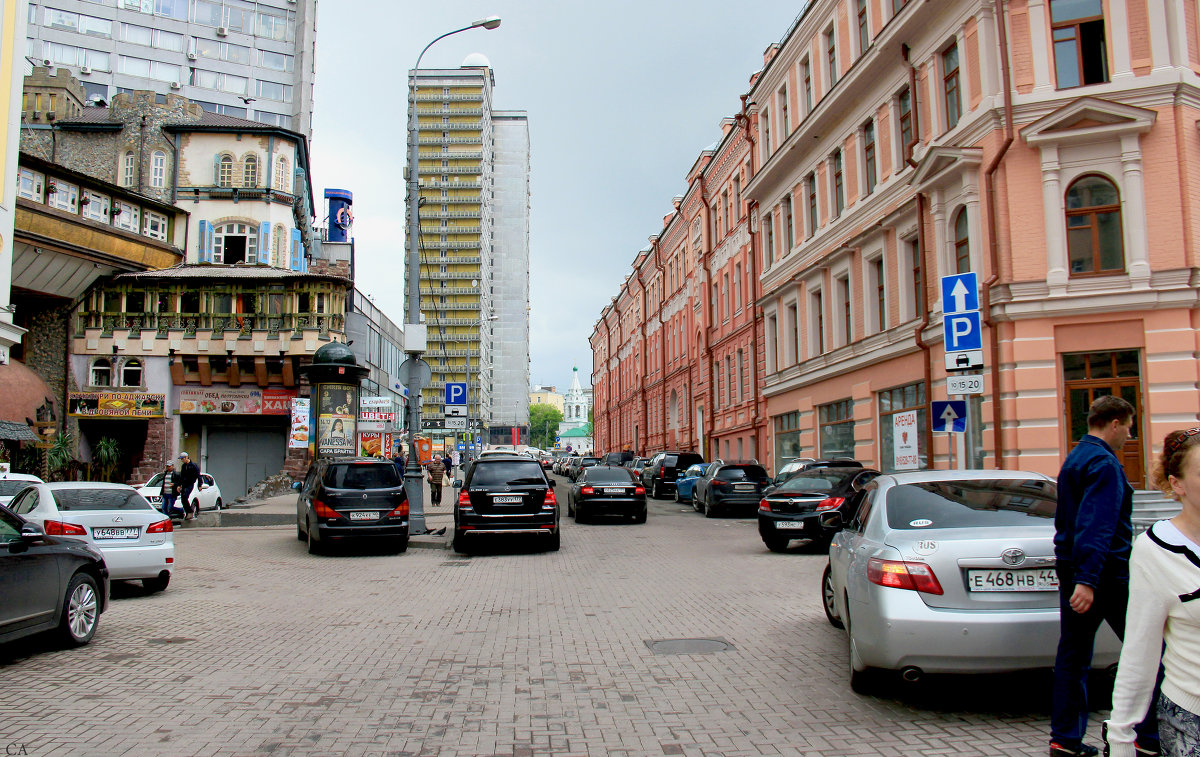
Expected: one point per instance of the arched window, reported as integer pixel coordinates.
(1094, 239)
(282, 178)
(158, 169)
(962, 247)
(101, 372)
(225, 171)
(129, 170)
(131, 373)
(250, 172)
(235, 243)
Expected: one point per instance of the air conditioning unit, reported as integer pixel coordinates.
(47, 62)
(222, 31)
(191, 56)
(85, 69)
(175, 85)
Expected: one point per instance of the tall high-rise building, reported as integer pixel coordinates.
(474, 244)
(242, 58)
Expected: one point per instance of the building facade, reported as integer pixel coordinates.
(252, 60)
(546, 395)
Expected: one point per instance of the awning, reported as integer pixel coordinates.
(23, 393)
(16, 432)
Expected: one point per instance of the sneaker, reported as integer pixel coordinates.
(1082, 750)
(1147, 748)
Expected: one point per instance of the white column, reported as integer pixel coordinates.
(989, 79)
(1057, 271)
(1160, 36)
(1119, 42)
(1039, 26)
(1133, 212)
(937, 211)
(975, 237)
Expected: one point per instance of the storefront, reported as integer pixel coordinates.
(117, 429)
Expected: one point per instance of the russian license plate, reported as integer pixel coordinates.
(364, 515)
(506, 500)
(116, 533)
(1030, 579)
(743, 487)
(614, 490)
(789, 524)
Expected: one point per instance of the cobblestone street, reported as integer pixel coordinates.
(259, 648)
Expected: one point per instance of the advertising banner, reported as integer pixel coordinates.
(375, 414)
(337, 410)
(374, 443)
(115, 405)
(904, 441)
(207, 400)
(300, 434)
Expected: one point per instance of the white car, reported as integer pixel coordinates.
(206, 498)
(11, 485)
(135, 539)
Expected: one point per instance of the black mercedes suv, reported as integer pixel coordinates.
(352, 498)
(505, 495)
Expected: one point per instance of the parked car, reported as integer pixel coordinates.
(505, 496)
(792, 510)
(686, 481)
(208, 498)
(729, 487)
(807, 463)
(579, 465)
(564, 465)
(546, 461)
(137, 541)
(352, 499)
(660, 473)
(49, 583)
(949, 572)
(607, 490)
(618, 458)
(11, 485)
(636, 465)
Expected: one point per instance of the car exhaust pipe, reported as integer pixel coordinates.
(912, 674)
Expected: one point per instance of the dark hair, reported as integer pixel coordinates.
(1107, 409)
(1170, 463)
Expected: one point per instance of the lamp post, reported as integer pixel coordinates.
(413, 329)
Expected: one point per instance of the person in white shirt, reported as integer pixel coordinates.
(1164, 616)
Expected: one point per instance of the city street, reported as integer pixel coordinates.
(259, 648)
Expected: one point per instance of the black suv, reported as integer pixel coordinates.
(618, 458)
(660, 473)
(505, 495)
(352, 498)
(792, 509)
(730, 486)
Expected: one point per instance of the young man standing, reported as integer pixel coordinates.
(1092, 541)
(189, 477)
(170, 489)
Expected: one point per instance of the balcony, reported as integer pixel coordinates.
(439, 184)
(439, 97)
(451, 214)
(427, 170)
(436, 230)
(478, 112)
(234, 324)
(440, 245)
(432, 127)
(430, 140)
(449, 322)
(428, 290)
(450, 156)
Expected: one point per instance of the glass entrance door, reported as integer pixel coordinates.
(1087, 376)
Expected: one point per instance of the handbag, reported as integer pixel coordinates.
(445, 480)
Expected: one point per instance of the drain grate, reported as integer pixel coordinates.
(453, 564)
(170, 640)
(688, 646)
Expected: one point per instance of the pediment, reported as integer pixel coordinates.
(942, 164)
(1087, 119)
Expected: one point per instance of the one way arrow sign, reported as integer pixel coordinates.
(950, 417)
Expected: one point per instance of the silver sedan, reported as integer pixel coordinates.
(949, 572)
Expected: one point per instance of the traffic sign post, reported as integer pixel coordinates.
(950, 416)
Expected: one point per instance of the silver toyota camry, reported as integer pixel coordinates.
(949, 572)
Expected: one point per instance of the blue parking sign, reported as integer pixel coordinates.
(960, 293)
(963, 331)
(456, 393)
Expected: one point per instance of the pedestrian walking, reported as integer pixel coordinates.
(1164, 616)
(1092, 540)
(436, 469)
(189, 478)
(448, 465)
(170, 489)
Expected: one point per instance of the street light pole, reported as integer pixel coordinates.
(413, 328)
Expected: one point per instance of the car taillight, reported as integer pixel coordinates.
(58, 528)
(915, 576)
(719, 481)
(464, 499)
(325, 511)
(161, 527)
(550, 502)
(639, 490)
(587, 490)
(764, 505)
(401, 511)
(830, 502)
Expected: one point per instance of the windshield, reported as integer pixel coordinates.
(507, 473)
(971, 503)
(75, 500)
(362, 476)
(609, 476)
(155, 480)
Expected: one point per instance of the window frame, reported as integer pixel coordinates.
(838, 414)
(871, 171)
(1093, 211)
(951, 85)
(158, 169)
(962, 241)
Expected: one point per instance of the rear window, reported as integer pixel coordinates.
(362, 476)
(743, 473)
(811, 481)
(11, 488)
(507, 473)
(590, 461)
(77, 500)
(971, 504)
(609, 476)
(686, 459)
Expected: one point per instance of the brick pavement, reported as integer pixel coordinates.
(258, 648)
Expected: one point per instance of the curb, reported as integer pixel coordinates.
(211, 519)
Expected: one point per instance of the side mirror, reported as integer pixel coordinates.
(297, 486)
(831, 520)
(31, 532)
(551, 482)
(457, 483)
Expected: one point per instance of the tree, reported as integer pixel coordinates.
(543, 425)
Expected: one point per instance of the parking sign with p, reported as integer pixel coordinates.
(456, 393)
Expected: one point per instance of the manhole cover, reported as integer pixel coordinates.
(688, 646)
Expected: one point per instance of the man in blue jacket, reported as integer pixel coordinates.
(1092, 540)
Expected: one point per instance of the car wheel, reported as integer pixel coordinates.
(860, 677)
(570, 508)
(400, 546)
(656, 492)
(776, 543)
(678, 499)
(158, 583)
(459, 542)
(695, 501)
(220, 504)
(829, 599)
(640, 517)
(580, 515)
(555, 541)
(314, 546)
(709, 510)
(300, 535)
(81, 611)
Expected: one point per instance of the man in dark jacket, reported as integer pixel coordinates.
(189, 477)
(1092, 540)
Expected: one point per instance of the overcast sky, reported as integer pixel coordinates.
(622, 96)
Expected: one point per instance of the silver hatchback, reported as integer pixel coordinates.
(949, 572)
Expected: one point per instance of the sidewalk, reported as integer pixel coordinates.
(281, 511)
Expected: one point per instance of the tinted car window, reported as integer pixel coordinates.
(695, 470)
(75, 500)
(816, 481)
(362, 476)
(507, 472)
(11, 488)
(970, 504)
(155, 480)
(10, 527)
(608, 476)
(669, 460)
(743, 473)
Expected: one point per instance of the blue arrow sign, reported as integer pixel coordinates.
(963, 331)
(456, 393)
(950, 417)
(960, 293)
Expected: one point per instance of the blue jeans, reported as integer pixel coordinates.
(1077, 637)
(168, 503)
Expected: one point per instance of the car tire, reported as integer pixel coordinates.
(860, 675)
(220, 504)
(776, 543)
(80, 612)
(400, 546)
(300, 535)
(709, 510)
(555, 541)
(656, 492)
(829, 599)
(580, 515)
(640, 517)
(570, 508)
(314, 546)
(157, 583)
(459, 542)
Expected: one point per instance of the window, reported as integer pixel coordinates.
(276, 61)
(154, 225)
(835, 432)
(869, 156)
(811, 183)
(269, 90)
(272, 27)
(235, 243)
(898, 5)
(206, 13)
(789, 237)
(783, 112)
(793, 335)
(95, 206)
(816, 322)
(62, 195)
(101, 372)
(250, 171)
(126, 216)
(158, 169)
(225, 171)
(129, 170)
(765, 122)
(901, 399)
(839, 193)
(743, 387)
(131, 372)
(787, 437)
(725, 211)
(737, 196)
(806, 73)
(737, 287)
(177, 9)
(831, 55)
(283, 179)
(235, 84)
(843, 293)
(1080, 57)
(769, 240)
(30, 184)
(918, 284)
(864, 35)
(904, 105)
(1094, 242)
(962, 247)
(950, 86)
(725, 296)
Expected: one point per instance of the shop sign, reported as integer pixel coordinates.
(337, 407)
(374, 443)
(299, 436)
(375, 414)
(904, 441)
(115, 405)
(206, 400)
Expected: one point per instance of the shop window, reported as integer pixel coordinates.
(1094, 236)
(902, 399)
(962, 246)
(1080, 55)
(836, 429)
(131, 373)
(225, 171)
(101, 373)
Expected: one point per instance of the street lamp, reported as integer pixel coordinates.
(413, 329)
